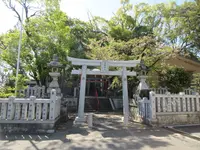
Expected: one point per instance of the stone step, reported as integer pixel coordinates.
(102, 104)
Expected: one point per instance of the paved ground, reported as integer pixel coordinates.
(192, 130)
(108, 133)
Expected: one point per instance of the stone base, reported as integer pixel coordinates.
(79, 120)
(125, 120)
(178, 119)
(27, 128)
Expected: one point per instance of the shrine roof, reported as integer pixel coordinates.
(187, 63)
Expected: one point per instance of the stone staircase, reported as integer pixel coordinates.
(101, 105)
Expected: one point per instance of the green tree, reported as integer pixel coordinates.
(44, 35)
(176, 25)
(176, 79)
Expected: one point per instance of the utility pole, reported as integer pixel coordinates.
(19, 50)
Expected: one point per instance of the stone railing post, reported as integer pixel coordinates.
(152, 106)
(197, 101)
(43, 91)
(10, 111)
(52, 113)
(58, 106)
(38, 111)
(182, 94)
(24, 111)
(17, 111)
(3, 111)
(31, 110)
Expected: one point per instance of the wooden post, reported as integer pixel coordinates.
(80, 118)
(125, 96)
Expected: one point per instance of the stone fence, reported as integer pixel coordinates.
(167, 109)
(30, 110)
(164, 90)
(37, 91)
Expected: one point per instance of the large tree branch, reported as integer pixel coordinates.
(157, 60)
(9, 4)
(34, 14)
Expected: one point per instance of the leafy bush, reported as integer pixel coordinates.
(5, 92)
(176, 79)
(9, 88)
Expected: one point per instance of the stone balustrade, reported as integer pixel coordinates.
(37, 91)
(30, 110)
(167, 109)
(176, 103)
(164, 90)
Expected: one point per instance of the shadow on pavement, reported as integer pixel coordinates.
(108, 133)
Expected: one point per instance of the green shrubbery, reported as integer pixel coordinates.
(9, 88)
(6, 91)
(176, 79)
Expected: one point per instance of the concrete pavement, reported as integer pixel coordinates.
(108, 133)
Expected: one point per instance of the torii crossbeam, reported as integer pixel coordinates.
(104, 64)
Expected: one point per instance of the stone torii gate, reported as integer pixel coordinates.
(104, 64)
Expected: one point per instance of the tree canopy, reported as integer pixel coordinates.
(147, 32)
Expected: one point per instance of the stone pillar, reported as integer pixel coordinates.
(153, 106)
(80, 118)
(53, 98)
(197, 101)
(11, 109)
(31, 111)
(125, 96)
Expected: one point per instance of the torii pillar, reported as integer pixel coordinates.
(125, 96)
(81, 118)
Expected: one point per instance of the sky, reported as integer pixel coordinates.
(76, 9)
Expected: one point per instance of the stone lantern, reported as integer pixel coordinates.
(54, 64)
(143, 88)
